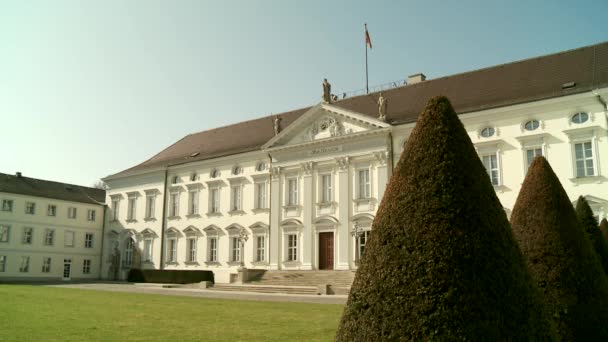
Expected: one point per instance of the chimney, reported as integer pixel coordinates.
(416, 78)
(18, 174)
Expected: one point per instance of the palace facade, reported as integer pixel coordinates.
(299, 191)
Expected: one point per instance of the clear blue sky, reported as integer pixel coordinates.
(89, 88)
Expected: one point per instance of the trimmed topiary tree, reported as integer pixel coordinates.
(604, 229)
(590, 226)
(442, 263)
(560, 256)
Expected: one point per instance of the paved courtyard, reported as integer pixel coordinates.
(190, 292)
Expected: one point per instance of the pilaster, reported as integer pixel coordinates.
(344, 202)
(274, 241)
(308, 212)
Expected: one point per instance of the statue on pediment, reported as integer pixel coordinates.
(326, 91)
(277, 125)
(382, 105)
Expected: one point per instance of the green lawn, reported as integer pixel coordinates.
(36, 313)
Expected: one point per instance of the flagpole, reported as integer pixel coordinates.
(366, 72)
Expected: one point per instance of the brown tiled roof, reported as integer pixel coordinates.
(507, 84)
(48, 189)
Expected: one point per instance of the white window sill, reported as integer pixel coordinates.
(363, 200)
(293, 263)
(212, 263)
(292, 206)
(326, 204)
(149, 219)
(131, 221)
(197, 215)
(234, 263)
(214, 214)
(191, 262)
(589, 179)
(172, 263)
(174, 217)
(260, 263)
(236, 212)
(260, 210)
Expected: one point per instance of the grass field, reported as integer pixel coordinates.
(36, 313)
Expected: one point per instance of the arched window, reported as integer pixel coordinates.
(175, 180)
(531, 125)
(261, 166)
(215, 173)
(487, 132)
(579, 118)
(128, 259)
(193, 177)
(237, 170)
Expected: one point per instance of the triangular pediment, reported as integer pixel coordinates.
(324, 122)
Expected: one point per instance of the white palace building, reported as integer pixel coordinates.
(295, 186)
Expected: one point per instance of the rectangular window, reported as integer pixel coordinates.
(193, 202)
(30, 208)
(88, 240)
(236, 197)
(215, 200)
(292, 191)
(292, 247)
(86, 266)
(213, 249)
(51, 210)
(362, 241)
(69, 239)
(2, 263)
(4, 233)
(191, 250)
(583, 153)
(115, 206)
(150, 206)
(148, 250)
(532, 153)
(46, 265)
(91, 215)
(72, 212)
(49, 237)
(260, 192)
(174, 205)
(364, 185)
(490, 162)
(172, 250)
(28, 235)
(25, 264)
(326, 189)
(260, 254)
(131, 208)
(7, 205)
(235, 254)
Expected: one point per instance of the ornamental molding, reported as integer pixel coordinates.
(381, 157)
(307, 167)
(343, 163)
(275, 172)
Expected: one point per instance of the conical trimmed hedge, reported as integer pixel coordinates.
(590, 226)
(604, 229)
(560, 256)
(442, 263)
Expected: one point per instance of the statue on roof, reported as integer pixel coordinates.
(382, 104)
(277, 125)
(326, 91)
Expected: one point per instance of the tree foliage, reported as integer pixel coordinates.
(590, 226)
(442, 262)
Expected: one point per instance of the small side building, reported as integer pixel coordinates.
(49, 230)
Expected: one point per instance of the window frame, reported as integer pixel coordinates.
(91, 215)
(191, 249)
(368, 185)
(193, 202)
(72, 213)
(292, 247)
(7, 229)
(86, 266)
(30, 208)
(49, 237)
(65, 238)
(24, 266)
(292, 195)
(51, 210)
(3, 259)
(89, 238)
(28, 236)
(8, 205)
(46, 264)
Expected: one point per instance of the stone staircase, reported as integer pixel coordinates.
(294, 282)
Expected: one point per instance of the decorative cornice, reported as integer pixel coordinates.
(343, 163)
(275, 172)
(307, 167)
(381, 157)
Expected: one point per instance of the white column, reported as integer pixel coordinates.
(344, 202)
(307, 206)
(274, 240)
(382, 173)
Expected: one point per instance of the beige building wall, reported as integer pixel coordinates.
(24, 255)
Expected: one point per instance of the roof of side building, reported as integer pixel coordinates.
(506, 84)
(48, 189)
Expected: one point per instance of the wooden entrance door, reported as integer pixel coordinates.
(326, 251)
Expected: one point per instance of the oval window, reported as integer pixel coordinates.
(215, 173)
(261, 166)
(193, 177)
(487, 132)
(579, 118)
(175, 180)
(237, 170)
(531, 125)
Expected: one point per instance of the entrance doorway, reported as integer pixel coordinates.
(326, 251)
(67, 269)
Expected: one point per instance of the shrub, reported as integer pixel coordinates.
(442, 263)
(560, 257)
(589, 225)
(169, 276)
(604, 229)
